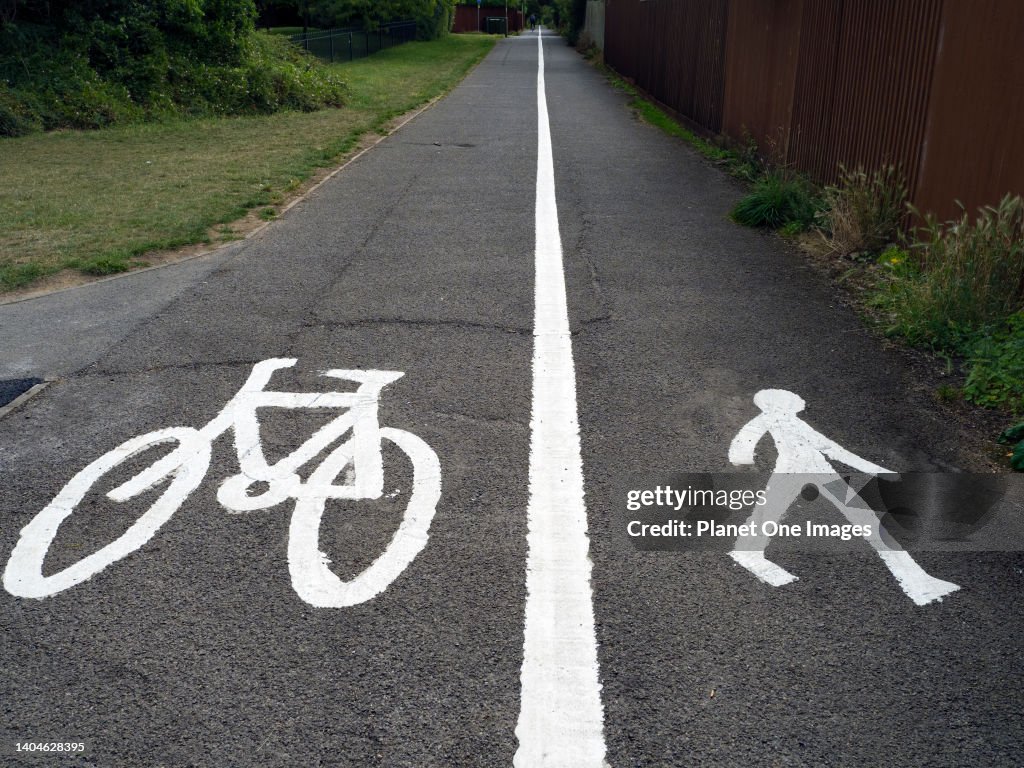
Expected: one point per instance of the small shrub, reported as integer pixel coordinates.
(747, 163)
(1015, 436)
(898, 260)
(997, 366)
(16, 117)
(862, 213)
(778, 199)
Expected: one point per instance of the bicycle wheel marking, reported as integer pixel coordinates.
(23, 576)
(359, 459)
(561, 720)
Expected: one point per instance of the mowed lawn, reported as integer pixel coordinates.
(96, 200)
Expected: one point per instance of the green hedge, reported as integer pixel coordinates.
(89, 72)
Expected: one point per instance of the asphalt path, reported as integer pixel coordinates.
(197, 649)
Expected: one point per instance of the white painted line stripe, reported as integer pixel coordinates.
(561, 720)
(764, 569)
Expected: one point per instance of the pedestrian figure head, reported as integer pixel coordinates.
(779, 401)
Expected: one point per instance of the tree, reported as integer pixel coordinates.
(118, 30)
(432, 17)
(280, 13)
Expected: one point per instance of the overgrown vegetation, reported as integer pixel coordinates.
(103, 62)
(433, 17)
(959, 277)
(779, 199)
(96, 201)
(862, 214)
(1014, 437)
(568, 17)
(955, 288)
(740, 160)
(959, 290)
(997, 365)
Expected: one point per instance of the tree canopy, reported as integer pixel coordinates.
(433, 17)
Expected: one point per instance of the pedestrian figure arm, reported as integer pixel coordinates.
(838, 453)
(741, 450)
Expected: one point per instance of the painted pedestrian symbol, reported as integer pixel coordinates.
(258, 485)
(804, 451)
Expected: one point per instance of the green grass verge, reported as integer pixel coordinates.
(778, 199)
(95, 201)
(743, 164)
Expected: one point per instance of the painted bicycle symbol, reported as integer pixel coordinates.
(358, 460)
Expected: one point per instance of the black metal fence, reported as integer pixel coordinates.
(353, 43)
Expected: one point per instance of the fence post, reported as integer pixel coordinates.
(332, 46)
(350, 46)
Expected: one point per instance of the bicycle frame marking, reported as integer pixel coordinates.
(360, 457)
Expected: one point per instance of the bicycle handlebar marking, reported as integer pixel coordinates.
(360, 457)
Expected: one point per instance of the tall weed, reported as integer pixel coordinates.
(961, 276)
(862, 213)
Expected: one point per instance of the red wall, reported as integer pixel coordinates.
(935, 87)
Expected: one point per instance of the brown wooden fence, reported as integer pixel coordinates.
(933, 86)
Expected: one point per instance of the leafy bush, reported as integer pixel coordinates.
(16, 117)
(174, 58)
(862, 213)
(433, 17)
(779, 198)
(277, 75)
(997, 366)
(1015, 436)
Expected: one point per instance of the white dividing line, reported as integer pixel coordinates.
(560, 717)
